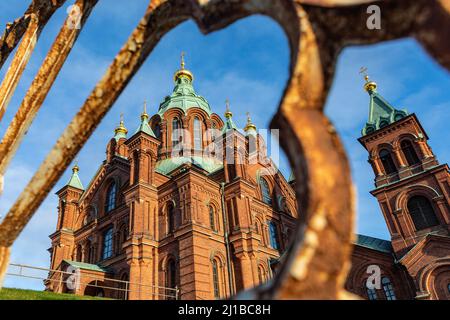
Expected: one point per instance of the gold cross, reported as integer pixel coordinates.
(363, 71)
(182, 59)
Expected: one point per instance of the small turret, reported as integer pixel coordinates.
(229, 123)
(75, 181)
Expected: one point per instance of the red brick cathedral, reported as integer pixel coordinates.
(190, 207)
(185, 207)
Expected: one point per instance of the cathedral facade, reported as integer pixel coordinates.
(190, 207)
(186, 207)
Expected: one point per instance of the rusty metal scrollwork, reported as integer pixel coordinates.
(317, 264)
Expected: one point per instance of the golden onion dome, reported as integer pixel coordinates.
(121, 127)
(250, 125)
(228, 114)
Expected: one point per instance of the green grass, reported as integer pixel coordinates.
(19, 294)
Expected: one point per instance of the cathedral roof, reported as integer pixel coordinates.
(208, 164)
(374, 243)
(184, 96)
(381, 112)
(86, 266)
(75, 181)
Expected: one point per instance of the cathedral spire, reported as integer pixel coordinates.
(250, 128)
(381, 112)
(229, 123)
(120, 131)
(144, 126)
(74, 180)
(183, 73)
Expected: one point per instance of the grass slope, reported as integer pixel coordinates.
(19, 294)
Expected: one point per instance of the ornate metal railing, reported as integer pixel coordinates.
(317, 31)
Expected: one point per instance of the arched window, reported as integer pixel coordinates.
(170, 217)
(372, 294)
(273, 232)
(79, 257)
(157, 131)
(171, 279)
(88, 254)
(197, 134)
(422, 212)
(212, 218)
(176, 132)
(92, 254)
(110, 203)
(409, 152)
(213, 131)
(215, 274)
(388, 163)
(388, 288)
(108, 244)
(261, 275)
(265, 190)
(123, 287)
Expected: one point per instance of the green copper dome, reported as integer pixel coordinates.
(381, 112)
(184, 96)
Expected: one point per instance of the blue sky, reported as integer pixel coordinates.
(247, 63)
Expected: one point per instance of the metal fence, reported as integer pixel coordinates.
(114, 288)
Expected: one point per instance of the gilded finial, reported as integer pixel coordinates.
(250, 125)
(121, 130)
(228, 113)
(182, 60)
(144, 115)
(183, 72)
(76, 168)
(369, 86)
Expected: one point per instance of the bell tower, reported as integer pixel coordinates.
(63, 238)
(411, 187)
(141, 196)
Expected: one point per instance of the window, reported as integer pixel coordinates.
(372, 294)
(157, 131)
(409, 152)
(212, 218)
(213, 131)
(170, 217)
(197, 134)
(215, 273)
(108, 244)
(79, 257)
(273, 232)
(265, 190)
(388, 289)
(176, 132)
(261, 275)
(388, 163)
(123, 287)
(422, 212)
(111, 198)
(171, 279)
(383, 124)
